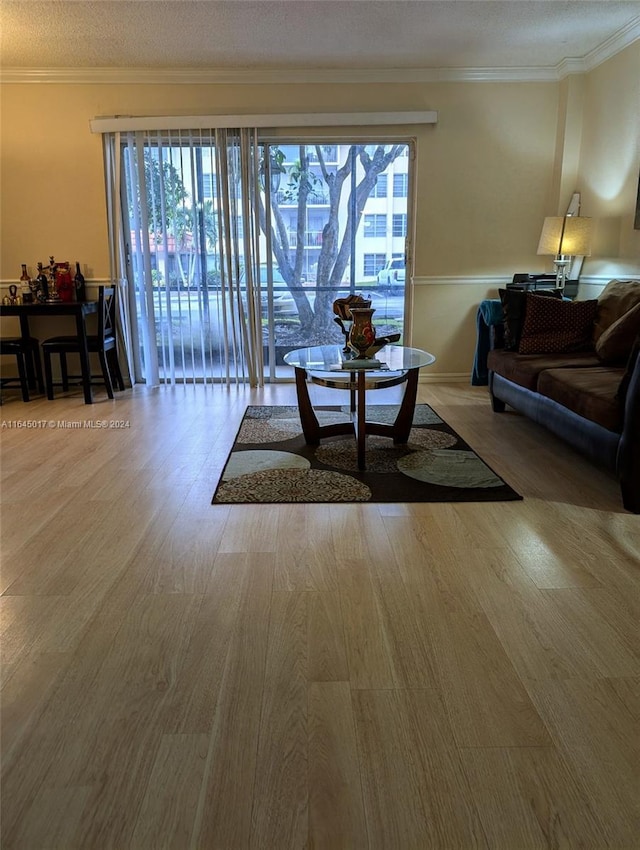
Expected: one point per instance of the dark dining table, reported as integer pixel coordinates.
(79, 310)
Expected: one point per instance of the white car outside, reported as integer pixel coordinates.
(392, 276)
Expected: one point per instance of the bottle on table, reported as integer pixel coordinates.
(25, 286)
(79, 284)
(53, 281)
(42, 290)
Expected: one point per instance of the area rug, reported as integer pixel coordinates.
(271, 463)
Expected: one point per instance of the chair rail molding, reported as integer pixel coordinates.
(603, 279)
(501, 280)
(461, 280)
(96, 281)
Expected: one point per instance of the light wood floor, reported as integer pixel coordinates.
(179, 675)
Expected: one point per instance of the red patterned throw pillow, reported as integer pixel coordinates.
(514, 306)
(557, 327)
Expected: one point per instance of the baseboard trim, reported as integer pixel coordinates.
(444, 378)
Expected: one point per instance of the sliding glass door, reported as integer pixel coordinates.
(339, 222)
(225, 248)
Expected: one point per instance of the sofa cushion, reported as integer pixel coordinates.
(614, 344)
(523, 369)
(555, 327)
(591, 393)
(514, 305)
(616, 298)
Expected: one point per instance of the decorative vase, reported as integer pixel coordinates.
(342, 309)
(362, 334)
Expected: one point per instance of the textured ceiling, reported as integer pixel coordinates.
(289, 34)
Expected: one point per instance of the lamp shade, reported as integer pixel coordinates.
(566, 235)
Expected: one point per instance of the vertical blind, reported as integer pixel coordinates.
(190, 223)
(186, 204)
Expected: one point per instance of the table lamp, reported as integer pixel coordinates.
(565, 237)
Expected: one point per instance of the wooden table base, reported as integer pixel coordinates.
(359, 426)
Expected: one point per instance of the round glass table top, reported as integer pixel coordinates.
(329, 358)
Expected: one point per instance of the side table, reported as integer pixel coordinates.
(322, 365)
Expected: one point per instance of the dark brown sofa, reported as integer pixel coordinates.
(589, 397)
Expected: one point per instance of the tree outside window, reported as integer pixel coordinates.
(317, 220)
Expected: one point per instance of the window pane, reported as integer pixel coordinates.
(381, 188)
(373, 263)
(188, 225)
(399, 224)
(400, 185)
(375, 224)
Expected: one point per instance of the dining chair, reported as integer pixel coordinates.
(26, 350)
(104, 343)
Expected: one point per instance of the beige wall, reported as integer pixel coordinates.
(610, 163)
(487, 174)
(483, 170)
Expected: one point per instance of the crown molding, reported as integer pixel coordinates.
(617, 42)
(613, 45)
(253, 76)
(225, 76)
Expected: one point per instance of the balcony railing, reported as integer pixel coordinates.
(330, 154)
(287, 199)
(312, 239)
